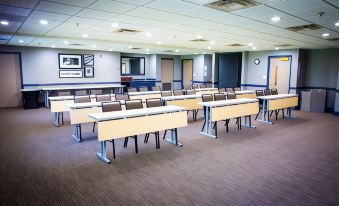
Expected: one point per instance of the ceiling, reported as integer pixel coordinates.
(172, 22)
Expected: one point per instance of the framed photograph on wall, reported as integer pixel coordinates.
(88, 59)
(70, 73)
(89, 72)
(70, 61)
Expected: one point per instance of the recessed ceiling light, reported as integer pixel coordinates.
(43, 22)
(198, 36)
(85, 35)
(65, 42)
(336, 24)
(196, 53)
(53, 46)
(159, 43)
(21, 41)
(250, 44)
(204, 52)
(147, 49)
(94, 46)
(115, 25)
(110, 49)
(325, 34)
(212, 42)
(130, 47)
(177, 50)
(277, 48)
(148, 34)
(147, 52)
(275, 19)
(5, 23)
(254, 48)
(209, 48)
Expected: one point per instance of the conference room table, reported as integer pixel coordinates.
(227, 109)
(121, 124)
(48, 89)
(144, 95)
(277, 102)
(244, 94)
(189, 102)
(206, 91)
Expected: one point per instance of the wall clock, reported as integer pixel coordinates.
(256, 61)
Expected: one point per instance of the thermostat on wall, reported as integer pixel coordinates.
(256, 61)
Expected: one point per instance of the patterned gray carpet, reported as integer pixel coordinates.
(292, 162)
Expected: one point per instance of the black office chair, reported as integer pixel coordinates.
(187, 87)
(195, 86)
(80, 92)
(63, 93)
(274, 91)
(133, 104)
(233, 96)
(190, 92)
(222, 90)
(229, 89)
(131, 89)
(111, 107)
(154, 102)
(119, 97)
(219, 96)
(143, 89)
(237, 89)
(267, 92)
(202, 86)
(206, 98)
(177, 92)
(166, 93)
(82, 99)
(166, 86)
(156, 88)
(259, 93)
(96, 91)
(103, 98)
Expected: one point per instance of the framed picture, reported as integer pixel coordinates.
(89, 72)
(70, 73)
(70, 61)
(88, 59)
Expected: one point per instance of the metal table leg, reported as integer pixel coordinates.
(77, 132)
(248, 122)
(46, 98)
(102, 153)
(174, 138)
(208, 128)
(56, 119)
(265, 111)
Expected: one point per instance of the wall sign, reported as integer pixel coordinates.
(89, 72)
(256, 61)
(88, 59)
(70, 61)
(70, 74)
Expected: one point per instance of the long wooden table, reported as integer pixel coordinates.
(121, 124)
(277, 102)
(189, 102)
(228, 109)
(144, 95)
(206, 91)
(244, 94)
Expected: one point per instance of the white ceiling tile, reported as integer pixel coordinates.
(32, 26)
(170, 6)
(293, 5)
(12, 10)
(58, 8)
(95, 14)
(19, 3)
(80, 21)
(311, 12)
(112, 6)
(136, 2)
(201, 12)
(146, 13)
(256, 11)
(80, 3)
(49, 16)
(201, 2)
(15, 40)
(12, 27)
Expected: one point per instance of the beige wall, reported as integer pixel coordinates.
(10, 82)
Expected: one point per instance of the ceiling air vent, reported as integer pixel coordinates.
(135, 48)
(127, 31)
(75, 44)
(169, 51)
(231, 5)
(304, 27)
(334, 39)
(198, 40)
(282, 45)
(235, 45)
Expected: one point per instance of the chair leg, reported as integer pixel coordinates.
(271, 113)
(146, 138)
(165, 134)
(157, 140)
(276, 114)
(283, 113)
(136, 143)
(240, 123)
(126, 142)
(258, 114)
(216, 129)
(227, 121)
(93, 127)
(62, 118)
(113, 145)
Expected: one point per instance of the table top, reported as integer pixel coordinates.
(143, 93)
(244, 92)
(205, 89)
(69, 87)
(62, 98)
(228, 102)
(134, 113)
(278, 96)
(30, 90)
(192, 96)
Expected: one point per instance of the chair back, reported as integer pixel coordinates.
(131, 89)
(222, 90)
(64, 93)
(267, 92)
(259, 93)
(202, 86)
(231, 96)
(195, 86)
(187, 87)
(177, 92)
(166, 93)
(274, 91)
(154, 102)
(133, 104)
(96, 91)
(103, 98)
(229, 89)
(82, 99)
(143, 89)
(166, 86)
(219, 96)
(237, 89)
(156, 88)
(207, 97)
(119, 97)
(111, 106)
(190, 92)
(80, 92)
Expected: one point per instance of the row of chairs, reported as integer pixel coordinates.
(267, 92)
(229, 89)
(158, 88)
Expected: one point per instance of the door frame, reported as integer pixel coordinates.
(161, 68)
(182, 71)
(20, 65)
(268, 69)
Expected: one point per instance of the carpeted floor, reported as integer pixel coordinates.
(292, 162)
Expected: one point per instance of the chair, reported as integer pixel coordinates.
(237, 89)
(259, 93)
(80, 92)
(274, 91)
(166, 86)
(63, 93)
(267, 92)
(207, 97)
(133, 104)
(222, 90)
(166, 93)
(177, 92)
(103, 98)
(190, 92)
(195, 86)
(231, 96)
(154, 102)
(96, 91)
(82, 99)
(219, 96)
(119, 97)
(131, 89)
(156, 88)
(143, 89)
(202, 86)
(229, 89)
(187, 87)
(111, 107)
